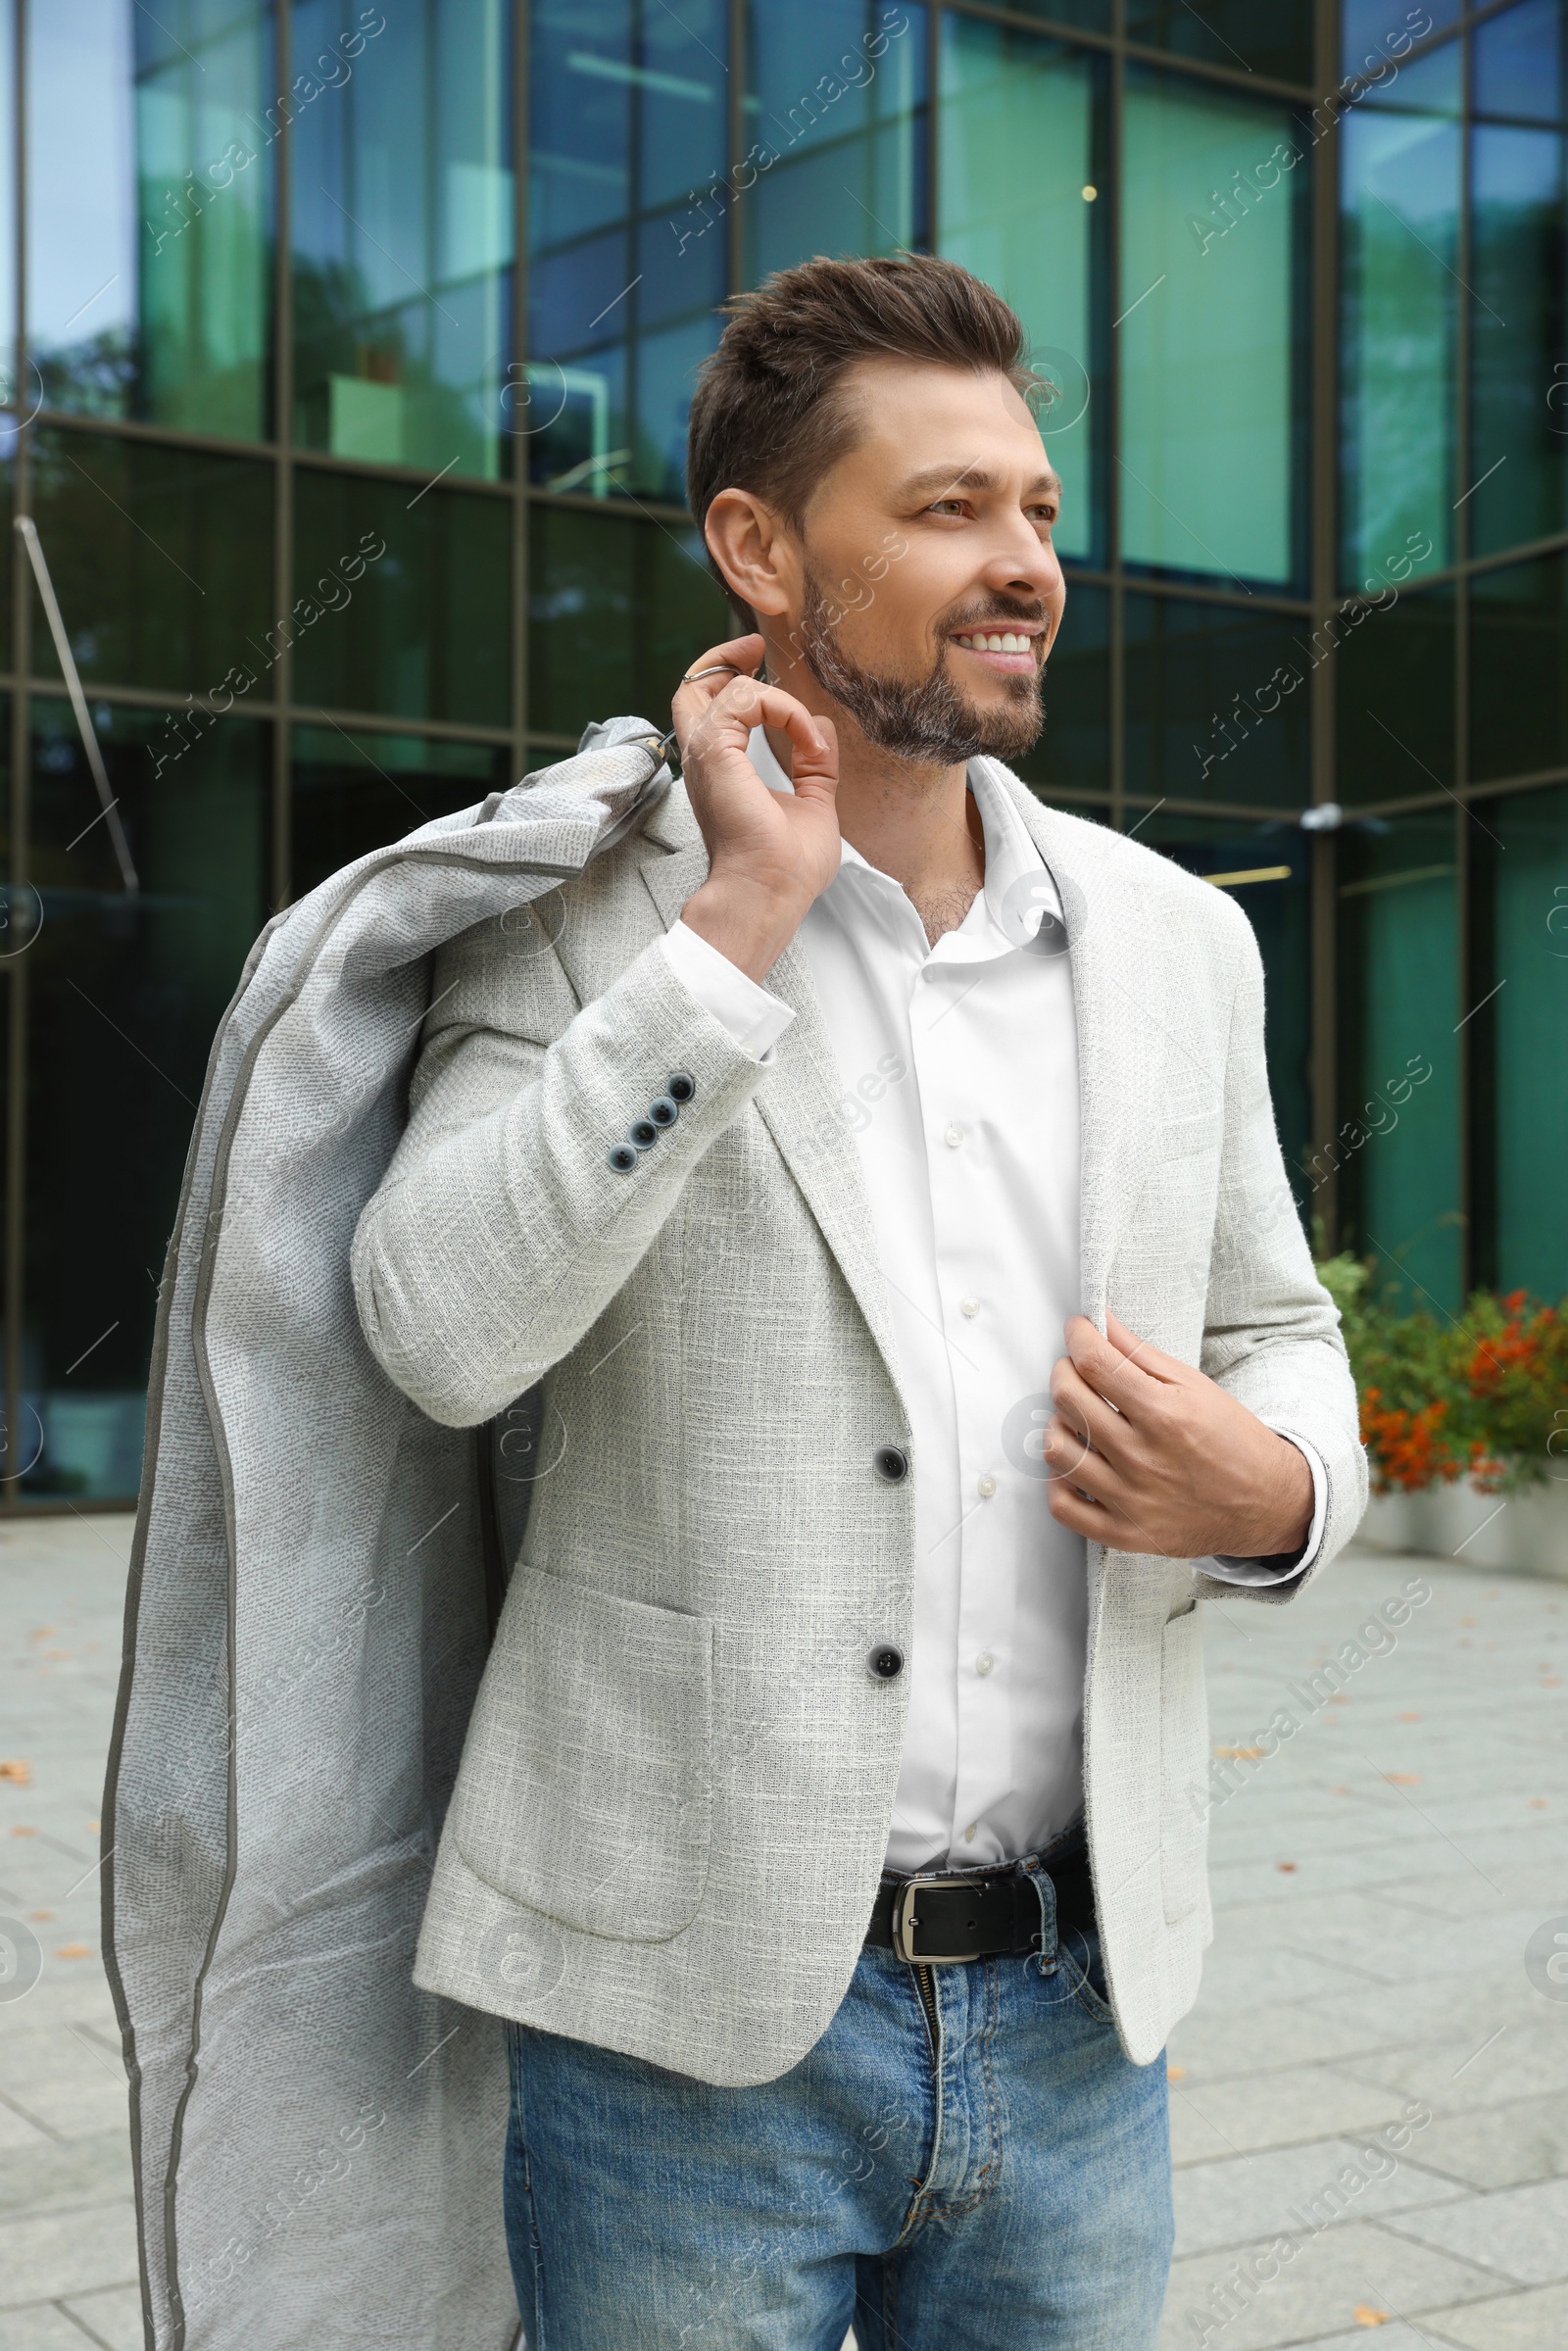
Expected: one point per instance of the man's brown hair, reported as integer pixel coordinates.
(768, 414)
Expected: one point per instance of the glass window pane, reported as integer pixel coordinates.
(1519, 668)
(628, 228)
(1019, 206)
(1094, 14)
(1394, 687)
(1519, 279)
(424, 629)
(150, 208)
(126, 996)
(160, 559)
(1211, 713)
(1522, 871)
(619, 608)
(1276, 902)
(11, 394)
(1265, 36)
(835, 116)
(1399, 1056)
(355, 790)
(1210, 262)
(1399, 195)
(402, 217)
(1074, 751)
(1374, 28)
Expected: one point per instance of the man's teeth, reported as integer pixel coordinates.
(1007, 642)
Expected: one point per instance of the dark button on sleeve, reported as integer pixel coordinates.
(892, 1462)
(622, 1158)
(680, 1085)
(663, 1110)
(885, 1661)
(643, 1133)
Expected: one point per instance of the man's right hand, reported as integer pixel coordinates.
(770, 852)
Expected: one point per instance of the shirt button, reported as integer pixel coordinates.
(953, 1137)
(988, 1487)
(984, 1662)
(969, 1834)
(969, 1306)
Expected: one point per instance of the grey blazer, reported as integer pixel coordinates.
(676, 1788)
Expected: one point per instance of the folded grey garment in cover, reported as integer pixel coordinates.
(318, 2146)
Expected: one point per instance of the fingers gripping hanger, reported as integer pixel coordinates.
(78, 703)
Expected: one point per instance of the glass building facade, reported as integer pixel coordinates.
(347, 354)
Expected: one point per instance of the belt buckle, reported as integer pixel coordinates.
(904, 1921)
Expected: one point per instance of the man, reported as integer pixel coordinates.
(877, 1168)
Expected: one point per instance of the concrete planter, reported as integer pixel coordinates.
(1528, 1535)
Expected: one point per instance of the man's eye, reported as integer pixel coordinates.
(947, 506)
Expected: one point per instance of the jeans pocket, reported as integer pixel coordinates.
(1079, 1960)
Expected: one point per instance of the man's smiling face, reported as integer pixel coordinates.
(940, 653)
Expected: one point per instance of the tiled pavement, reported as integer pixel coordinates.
(1375, 1884)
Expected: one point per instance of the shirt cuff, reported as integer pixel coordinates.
(1227, 1570)
(754, 1018)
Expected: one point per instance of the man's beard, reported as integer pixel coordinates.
(929, 721)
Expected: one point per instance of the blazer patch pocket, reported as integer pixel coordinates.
(1183, 1765)
(585, 1790)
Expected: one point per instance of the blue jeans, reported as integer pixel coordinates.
(1012, 2190)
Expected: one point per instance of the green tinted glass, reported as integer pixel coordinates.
(1398, 1148)
(1399, 196)
(1393, 691)
(1216, 702)
(1207, 332)
(836, 130)
(1019, 206)
(355, 790)
(1262, 37)
(150, 208)
(629, 215)
(619, 608)
(1519, 668)
(161, 558)
(1521, 864)
(403, 238)
(124, 997)
(1267, 869)
(1519, 279)
(402, 606)
(1073, 754)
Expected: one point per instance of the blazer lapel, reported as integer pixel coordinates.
(799, 1099)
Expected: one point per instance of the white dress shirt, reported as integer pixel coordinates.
(959, 1066)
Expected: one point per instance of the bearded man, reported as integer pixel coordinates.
(876, 1168)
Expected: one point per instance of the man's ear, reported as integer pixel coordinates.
(754, 552)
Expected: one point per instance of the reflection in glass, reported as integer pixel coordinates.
(1394, 685)
(423, 630)
(1262, 36)
(1375, 28)
(1216, 702)
(1017, 207)
(1399, 196)
(149, 209)
(355, 790)
(126, 996)
(402, 233)
(1519, 668)
(619, 608)
(1208, 271)
(836, 130)
(11, 394)
(1522, 870)
(628, 228)
(160, 559)
(1519, 279)
(1399, 1158)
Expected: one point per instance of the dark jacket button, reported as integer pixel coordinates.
(885, 1662)
(680, 1085)
(892, 1462)
(663, 1110)
(643, 1133)
(622, 1158)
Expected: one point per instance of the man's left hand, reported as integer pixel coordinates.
(1147, 1454)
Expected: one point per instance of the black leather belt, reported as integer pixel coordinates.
(981, 1914)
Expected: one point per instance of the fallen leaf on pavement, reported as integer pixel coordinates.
(17, 1770)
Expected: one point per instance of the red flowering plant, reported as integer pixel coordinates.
(1482, 1395)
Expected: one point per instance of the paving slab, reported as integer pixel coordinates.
(1247, 2197)
(1528, 2322)
(1522, 2232)
(1319, 2285)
